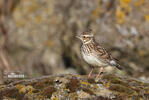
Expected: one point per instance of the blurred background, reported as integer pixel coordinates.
(37, 37)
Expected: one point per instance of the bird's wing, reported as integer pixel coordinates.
(103, 54)
(106, 57)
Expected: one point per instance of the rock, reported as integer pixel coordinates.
(41, 34)
(68, 86)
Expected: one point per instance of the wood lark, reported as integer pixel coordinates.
(94, 54)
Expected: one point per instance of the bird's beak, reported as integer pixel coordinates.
(77, 36)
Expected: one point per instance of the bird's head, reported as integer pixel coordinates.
(86, 37)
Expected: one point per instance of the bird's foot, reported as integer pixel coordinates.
(100, 72)
(89, 75)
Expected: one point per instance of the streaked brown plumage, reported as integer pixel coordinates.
(94, 54)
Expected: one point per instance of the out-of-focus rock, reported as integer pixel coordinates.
(62, 87)
(42, 33)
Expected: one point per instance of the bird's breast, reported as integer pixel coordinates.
(92, 60)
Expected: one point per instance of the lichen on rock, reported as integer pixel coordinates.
(62, 87)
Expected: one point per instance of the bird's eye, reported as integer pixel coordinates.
(84, 37)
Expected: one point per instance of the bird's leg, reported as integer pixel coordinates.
(100, 71)
(89, 75)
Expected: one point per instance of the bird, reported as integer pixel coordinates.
(94, 54)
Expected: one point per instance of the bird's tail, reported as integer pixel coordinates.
(119, 67)
(114, 63)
